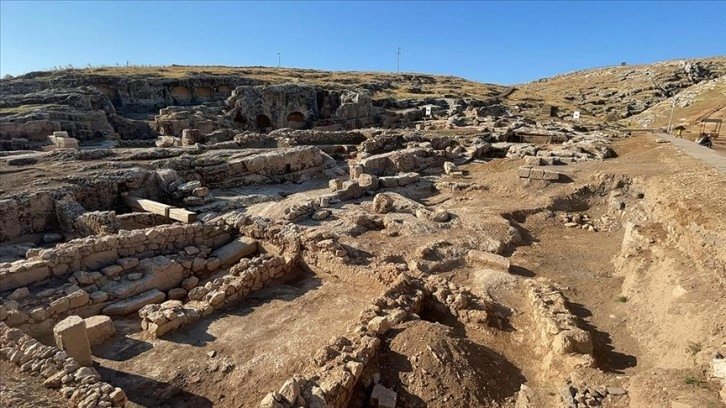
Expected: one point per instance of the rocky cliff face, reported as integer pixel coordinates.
(98, 107)
(299, 106)
(110, 107)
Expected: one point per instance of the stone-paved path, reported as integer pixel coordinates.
(708, 156)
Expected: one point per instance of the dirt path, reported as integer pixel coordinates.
(710, 157)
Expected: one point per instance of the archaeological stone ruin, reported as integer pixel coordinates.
(227, 240)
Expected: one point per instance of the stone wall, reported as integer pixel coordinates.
(343, 368)
(81, 385)
(267, 167)
(565, 345)
(407, 160)
(246, 277)
(317, 137)
(96, 252)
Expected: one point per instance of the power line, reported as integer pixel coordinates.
(278, 60)
(398, 60)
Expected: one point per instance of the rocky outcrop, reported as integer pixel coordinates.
(298, 106)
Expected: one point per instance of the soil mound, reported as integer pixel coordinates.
(430, 365)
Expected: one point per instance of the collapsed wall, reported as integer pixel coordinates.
(32, 213)
(82, 386)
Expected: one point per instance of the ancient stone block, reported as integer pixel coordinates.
(134, 303)
(572, 341)
(525, 172)
(71, 336)
(379, 324)
(59, 305)
(99, 328)
(450, 167)
(78, 298)
(19, 294)
(388, 181)
(383, 397)
(31, 272)
(368, 181)
(235, 250)
(114, 270)
(537, 174)
(550, 175)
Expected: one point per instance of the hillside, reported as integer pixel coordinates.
(383, 85)
(141, 103)
(619, 92)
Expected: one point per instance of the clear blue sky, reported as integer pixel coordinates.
(499, 42)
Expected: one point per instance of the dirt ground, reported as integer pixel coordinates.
(232, 359)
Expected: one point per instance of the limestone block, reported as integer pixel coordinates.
(99, 328)
(24, 275)
(158, 272)
(60, 305)
(388, 181)
(38, 314)
(379, 324)
(335, 184)
(216, 298)
(273, 400)
(78, 298)
(66, 143)
(350, 189)
(71, 336)
(368, 181)
(321, 215)
(190, 282)
(532, 161)
(382, 204)
(572, 341)
(113, 270)
(201, 191)
(16, 318)
(290, 390)
(235, 250)
(98, 296)
(19, 294)
(525, 172)
(537, 174)
(550, 175)
(383, 397)
(118, 397)
(99, 260)
(134, 303)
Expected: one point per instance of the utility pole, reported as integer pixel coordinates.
(398, 60)
(670, 121)
(278, 60)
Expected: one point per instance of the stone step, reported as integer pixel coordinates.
(235, 250)
(134, 303)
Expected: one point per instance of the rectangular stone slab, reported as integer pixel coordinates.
(134, 303)
(166, 210)
(236, 250)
